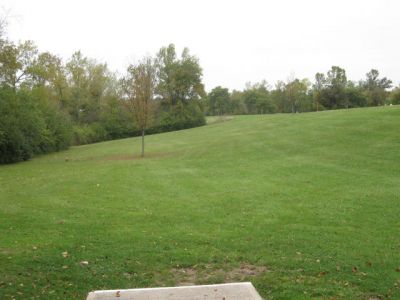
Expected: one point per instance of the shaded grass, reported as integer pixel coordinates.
(312, 197)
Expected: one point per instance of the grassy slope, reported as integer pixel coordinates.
(310, 196)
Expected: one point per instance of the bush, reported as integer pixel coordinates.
(92, 133)
(28, 127)
(180, 117)
(395, 96)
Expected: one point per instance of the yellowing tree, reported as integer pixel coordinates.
(139, 86)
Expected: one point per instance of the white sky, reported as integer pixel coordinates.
(236, 41)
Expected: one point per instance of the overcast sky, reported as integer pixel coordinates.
(236, 41)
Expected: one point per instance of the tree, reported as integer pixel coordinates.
(336, 84)
(318, 88)
(179, 89)
(256, 98)
(16, 62)
(88, 82)
(279, 98)
(237, 104)
(296, 91)
(219, 100)
(140, 86)
(355, 95)
(330, 90)
(395, 96)
(179, 79)
(375, 88)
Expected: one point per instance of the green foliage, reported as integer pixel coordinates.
(375, 88)
(179, 90)
(51, 96)
(257, 99)
(395, 96)
(83, 94)
(355, 96)
(218, 100)
(87, 134)
(179, 80)
(334, 92)
(28, 127)
(297, 95)
(181, 116)
(116, 119)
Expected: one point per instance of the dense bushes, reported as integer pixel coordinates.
(180, 117)
(29, 127)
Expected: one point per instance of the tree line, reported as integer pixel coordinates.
(329, 91)
(48, 104)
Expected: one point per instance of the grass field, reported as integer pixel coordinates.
(304, 206)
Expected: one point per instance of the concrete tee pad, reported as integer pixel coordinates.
(228, 291)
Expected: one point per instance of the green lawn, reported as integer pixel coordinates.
(314, 198)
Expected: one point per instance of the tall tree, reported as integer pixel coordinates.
(336, 82)
(375, 88)
(333, 92)
(88, 81)
(318, 88)
(179, 79)
(179, 89)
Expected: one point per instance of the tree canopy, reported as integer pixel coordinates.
(48, 103)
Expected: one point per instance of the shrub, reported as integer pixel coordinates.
(28, 127)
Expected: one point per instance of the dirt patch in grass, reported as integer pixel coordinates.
(184, 276)
(205, 274)
(245, 271)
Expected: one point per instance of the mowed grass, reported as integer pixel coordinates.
(314, 197)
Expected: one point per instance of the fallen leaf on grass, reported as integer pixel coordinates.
(323, 273)
(65, 254)
(354, 269)
(84, 263)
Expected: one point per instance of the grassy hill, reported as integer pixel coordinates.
(304, 206)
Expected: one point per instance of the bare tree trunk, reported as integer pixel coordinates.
(143, 142)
